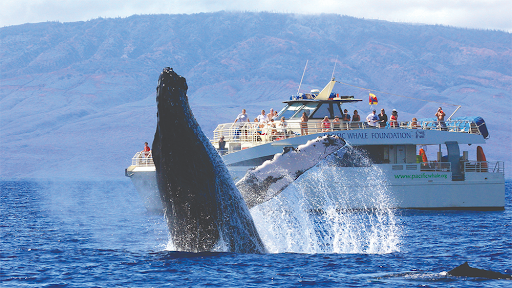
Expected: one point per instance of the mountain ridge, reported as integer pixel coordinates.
(60, 79)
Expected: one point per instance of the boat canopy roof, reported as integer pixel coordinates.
(314, 109)
(316, 104)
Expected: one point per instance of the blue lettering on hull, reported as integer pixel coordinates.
(375, 135)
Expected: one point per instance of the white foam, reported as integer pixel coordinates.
(287, 224)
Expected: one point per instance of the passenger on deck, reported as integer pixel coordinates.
(393, 120)
(145, 154)
(356, 117)
(282, 126)
(414, 123)
(372, 119)
(440, 118)
(326, 124)
(304, 124)
(383, 118)
(271, 127)
(222, 146)
(270, 114)
(345, 120)
(242, 117)
(336, 123)
(262, 118)
(146, 150)
(258, 126)
(346, 116)
(243, 120)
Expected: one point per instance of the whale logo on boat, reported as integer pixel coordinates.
(204, 209)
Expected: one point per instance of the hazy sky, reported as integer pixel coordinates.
(483, 14)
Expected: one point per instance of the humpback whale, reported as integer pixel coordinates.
(273, 176)
(467, 271)
(204, 209)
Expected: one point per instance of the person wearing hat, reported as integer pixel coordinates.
(372, 119)
(393, 120)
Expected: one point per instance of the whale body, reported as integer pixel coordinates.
(204, 209)
(467, 271)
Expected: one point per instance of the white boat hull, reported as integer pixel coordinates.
(480, 191)
(144, 180)
(435, 190)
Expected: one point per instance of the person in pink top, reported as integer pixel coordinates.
(326, 124)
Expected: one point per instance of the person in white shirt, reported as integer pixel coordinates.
(242, 117)
(282, 126)
(243, 120)
(372, 119)
(262, 118)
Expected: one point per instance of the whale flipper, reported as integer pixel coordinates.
(203, 207)
(273, 176)
(467, 271)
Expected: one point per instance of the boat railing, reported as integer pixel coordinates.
(485, 166)
(430, 166)
(251, 134)
(434, 166)
(461, 126)
(143, 159)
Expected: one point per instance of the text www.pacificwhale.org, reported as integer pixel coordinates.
(421, 176)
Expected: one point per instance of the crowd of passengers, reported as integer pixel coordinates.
(268, 123)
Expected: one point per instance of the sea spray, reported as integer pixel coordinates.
(331, 210)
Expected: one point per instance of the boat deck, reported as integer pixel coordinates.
(252, 135)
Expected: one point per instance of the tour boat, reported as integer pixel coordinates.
(453, 180)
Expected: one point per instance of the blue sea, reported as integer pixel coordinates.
(98, 234)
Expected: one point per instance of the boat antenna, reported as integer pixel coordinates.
(302, 76)
(332, 76)
(454, 112)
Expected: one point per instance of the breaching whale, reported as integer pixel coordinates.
(467, 271)
(203, 207)
(273, 176)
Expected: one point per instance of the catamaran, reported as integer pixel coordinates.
(454, 180)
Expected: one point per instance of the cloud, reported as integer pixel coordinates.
(482, 14)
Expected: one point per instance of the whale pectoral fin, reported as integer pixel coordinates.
(268, 180)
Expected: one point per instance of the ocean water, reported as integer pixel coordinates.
(98, 234)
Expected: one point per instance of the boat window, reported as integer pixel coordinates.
(289, 110)
(337, 110)
(308, 108)
(325, 109)
(376, 153)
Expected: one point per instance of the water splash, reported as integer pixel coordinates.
(332, 210)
